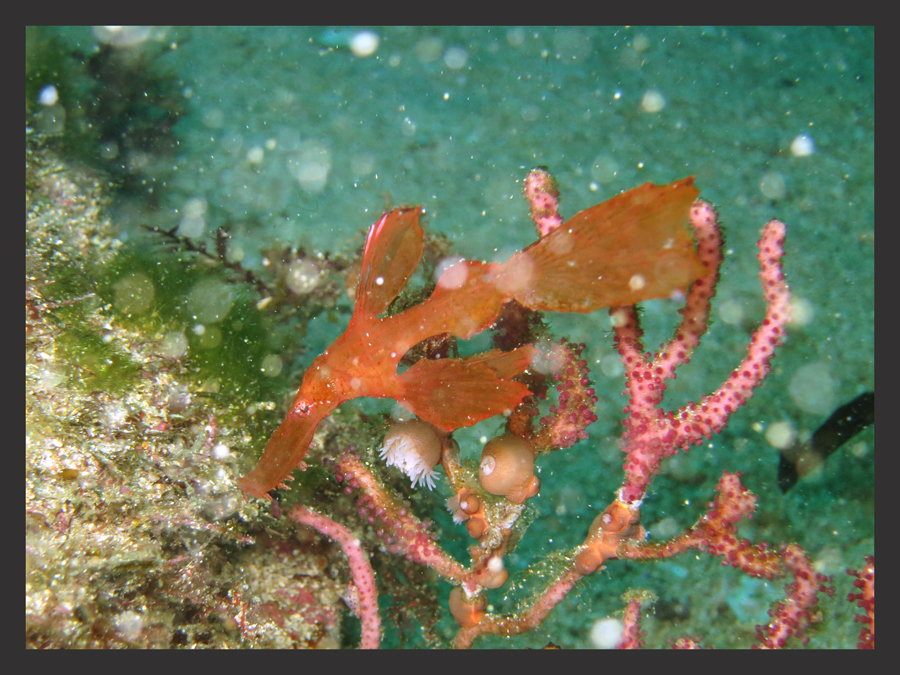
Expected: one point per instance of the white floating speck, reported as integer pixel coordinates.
(364, 43)
(803, 146)
(456, 57)
(255, 154)
(772, 185)
(48, 95)
(606, 633)
(653, 101)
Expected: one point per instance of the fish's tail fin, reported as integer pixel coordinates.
(633, 247)
(454, 393)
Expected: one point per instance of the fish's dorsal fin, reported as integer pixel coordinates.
(393, 249)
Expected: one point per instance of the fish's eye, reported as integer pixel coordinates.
(302, 408)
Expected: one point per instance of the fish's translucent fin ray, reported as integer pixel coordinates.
(393, 249)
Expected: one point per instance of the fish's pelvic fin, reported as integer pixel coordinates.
(282, 454)
(454, 393)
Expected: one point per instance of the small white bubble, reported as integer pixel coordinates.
(408, 127)
(772, 185)
(122, 36)
(446, 264)
(859, 450)
(210, 300)
(604, 169)
(803, 146)
(618, 318)
(606, 633)
(781, 435)
(429, 49)
(515, 36)
(196, 206)
(109, 150)
(311, 165)
(271, 365)
(812, 388)
(653, 101)
(214, 118)
(731, 312)
(191, 226)
(133, 293)
(210, 338)
(48, 95)
(364, 43)
(255, 154)
(666, 528)
(803, 311)
(640, 43)
(302, 276)
(611, 366)
(174, 345)
(51, 120)
(456, 57)
(637, 282)
(234, 252)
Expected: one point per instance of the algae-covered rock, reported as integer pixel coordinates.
(136, 535)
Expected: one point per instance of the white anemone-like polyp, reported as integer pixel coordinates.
(415, 449)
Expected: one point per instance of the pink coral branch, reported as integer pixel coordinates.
(716, 533)
(575, 409)
(865, 600)
(695, 313)
(528, 620)
(543, 200)
(652, 434)
(632, 635)
(405, 534)
(401, 530)
(360, 570)
(791, 616)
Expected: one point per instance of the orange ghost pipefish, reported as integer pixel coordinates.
(631, 248)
